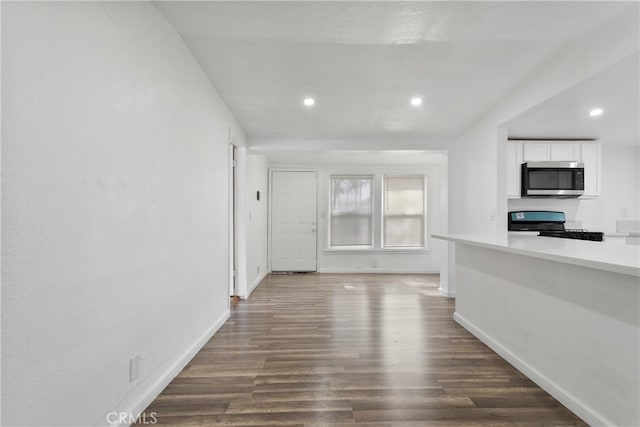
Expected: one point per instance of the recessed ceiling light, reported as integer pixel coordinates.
(416, 101)
(309, 102)
(596, 112)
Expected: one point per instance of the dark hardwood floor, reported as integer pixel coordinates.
(375, 350)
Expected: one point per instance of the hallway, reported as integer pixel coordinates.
(324, 349)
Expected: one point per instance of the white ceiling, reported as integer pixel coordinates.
(363, 61)
(353, 157)
(616, 90)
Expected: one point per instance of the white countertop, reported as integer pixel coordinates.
(617, 258)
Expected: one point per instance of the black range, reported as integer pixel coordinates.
(548, 224)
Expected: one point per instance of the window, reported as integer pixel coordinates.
(351, 213)
(377, 212)
(403, 211)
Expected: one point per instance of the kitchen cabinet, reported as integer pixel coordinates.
(514, 160)
(591, 157)
(586, 152)
(565, 152)
(536, 152)
(551, 151)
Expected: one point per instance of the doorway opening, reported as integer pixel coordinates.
(233, 238)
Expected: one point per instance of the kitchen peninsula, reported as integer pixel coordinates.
(564, 312)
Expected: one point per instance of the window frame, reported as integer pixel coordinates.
(423, 216)
(377, 213)
(330, 215)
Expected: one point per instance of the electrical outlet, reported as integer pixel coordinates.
(134, 368)
(624, 212)
(374, 264)
(258, 269)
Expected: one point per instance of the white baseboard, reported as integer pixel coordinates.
(156, 388)
(447, 293)
(587, 413)
(256, 283)
(375, 270)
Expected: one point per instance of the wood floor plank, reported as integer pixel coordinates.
(261, 407)
(351, 350)
(461, 414)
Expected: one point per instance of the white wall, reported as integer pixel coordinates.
(378, 261)
(620, 191)
(477, 177)
(114, 209)
(620, 184)
(257, 210)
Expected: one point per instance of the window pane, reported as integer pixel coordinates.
(351, 211)
(403, 232)
(403, 214)
(351, 230)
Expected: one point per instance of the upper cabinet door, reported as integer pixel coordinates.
(592, 167)
(554, 151)
(565, 152)
(536, 152)
(514, 160)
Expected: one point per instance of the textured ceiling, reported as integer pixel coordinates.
(363, 61)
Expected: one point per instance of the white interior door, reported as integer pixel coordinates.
(293, 221)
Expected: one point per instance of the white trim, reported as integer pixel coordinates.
(446, 292)
(587, 413)
(150, 394)
(376, 270)
(233, 256)
(242, 218)
(255, 284)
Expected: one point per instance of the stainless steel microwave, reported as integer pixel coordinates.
(552, 179)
